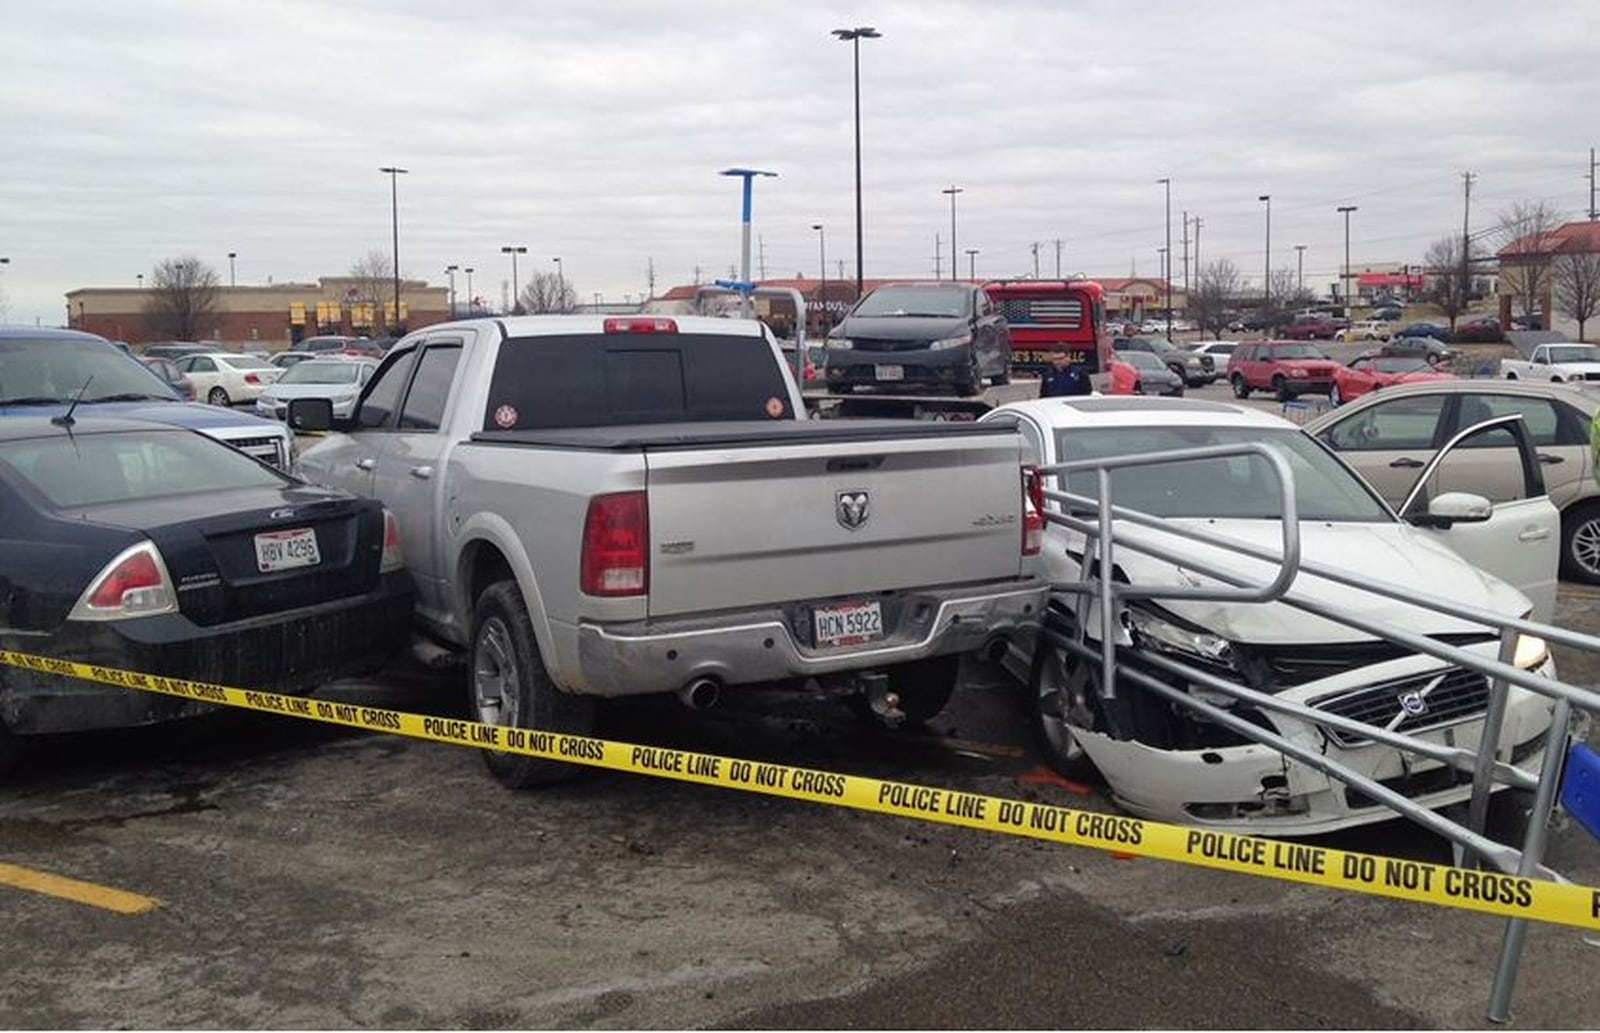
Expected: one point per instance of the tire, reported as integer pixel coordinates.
(1177, 371)
(1580, 543)
(509, 686)
(1240, 388)
(1280, 389)
(925, 686)
(972, 384)
(217, 396)
(1057, 675)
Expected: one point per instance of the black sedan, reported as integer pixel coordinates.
(155, 549)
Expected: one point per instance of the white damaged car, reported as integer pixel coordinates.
(1164, 761)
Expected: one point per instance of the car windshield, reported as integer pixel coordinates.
(72, 470)
(1399, 364)
(1142, 360)
(50, 371)
(1236, 487)
(1575, 353)
(952, 302)
(1296, 351)
(314, 372)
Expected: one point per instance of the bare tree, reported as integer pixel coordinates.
(1287, 292)
(1446, 289)
(182, 298)
(1216, 288)
(374, 285)
(1577, 286)
(1525, 260)
(548, 292)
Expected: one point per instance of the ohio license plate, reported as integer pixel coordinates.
(285, 550)
(847, 625)
(889, 372)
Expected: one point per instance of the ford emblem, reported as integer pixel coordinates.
(851, 509)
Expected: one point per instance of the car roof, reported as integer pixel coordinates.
(1584, 400)
(545, 325)
(1140, 411)
(19, 332)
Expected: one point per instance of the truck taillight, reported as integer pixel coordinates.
(394, 556)
(616, 545)
(135, 584)
(1035, 487)
(640, 325)
(1032, 512)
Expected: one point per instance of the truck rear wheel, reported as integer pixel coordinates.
(510, 687)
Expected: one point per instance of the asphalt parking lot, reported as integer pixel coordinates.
(311, 876)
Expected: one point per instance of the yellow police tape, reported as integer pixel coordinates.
(1489, 892)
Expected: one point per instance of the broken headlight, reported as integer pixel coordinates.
(1157, 632)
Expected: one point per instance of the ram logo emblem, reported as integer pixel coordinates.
(851, 509)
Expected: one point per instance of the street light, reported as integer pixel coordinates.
(855, 36)
(561, 286)
(1166, 255)
(1344, 280)
(953, 190)
(140, 278)
(1266, 281)
(472, 306)
(972, 263)
(747, 175)
(450, 271)
(231, 256)
(516, 294)
(1299, 268)
(394, 175)
(822, 263)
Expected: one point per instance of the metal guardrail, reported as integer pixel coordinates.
(1115, 526)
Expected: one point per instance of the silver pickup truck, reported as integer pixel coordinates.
(617, 506)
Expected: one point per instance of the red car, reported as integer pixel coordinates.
(1286, 368)
(1370, 372)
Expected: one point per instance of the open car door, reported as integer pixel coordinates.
(1517, 539)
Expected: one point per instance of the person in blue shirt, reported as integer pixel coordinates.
(1064, 377)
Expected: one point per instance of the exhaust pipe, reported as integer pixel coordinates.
(995, 649)
(700, 694)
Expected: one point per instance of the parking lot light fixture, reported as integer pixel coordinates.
(822, 280)
(1166, 254)
(1344, 278)
(561, 285)
(854, 37)
(1266, 280)
(450, 271)
(972, 263)
(394, 173)
(955, 260)
(516, 293)
(1300, 268)
(231, 256)
(472, 306)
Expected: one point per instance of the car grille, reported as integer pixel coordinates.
(1434, 780)
(1449, 696)
(267, 449)
(879, 344)
(1282, 666)
(1591, 376)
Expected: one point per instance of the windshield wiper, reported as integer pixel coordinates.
(33, 400)
(130, 396)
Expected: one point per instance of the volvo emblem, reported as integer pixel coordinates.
(1413, 703)
(851, 509)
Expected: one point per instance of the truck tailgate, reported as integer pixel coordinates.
(742, 526)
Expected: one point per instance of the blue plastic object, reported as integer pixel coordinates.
(1580, 787)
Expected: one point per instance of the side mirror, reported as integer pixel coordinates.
(1455, 507)
(310, 414)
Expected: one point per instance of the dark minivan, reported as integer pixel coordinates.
(940, 337)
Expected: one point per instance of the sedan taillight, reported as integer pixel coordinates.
(135, 584)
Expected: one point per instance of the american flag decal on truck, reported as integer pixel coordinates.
(1066, 312)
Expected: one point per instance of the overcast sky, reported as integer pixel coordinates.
(594, 132)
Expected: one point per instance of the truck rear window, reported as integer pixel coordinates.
(597, 380)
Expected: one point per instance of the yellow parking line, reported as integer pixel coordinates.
(91, 893)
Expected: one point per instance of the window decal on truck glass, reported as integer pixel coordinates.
(505, 417)
(775, 407)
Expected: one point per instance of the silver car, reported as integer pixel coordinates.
(338, 380)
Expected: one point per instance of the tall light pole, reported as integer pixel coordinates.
(748, 176)
(855, 36)
(953, 190)
(561, 285)
(450, 271)
(137, 276)
(1266, 281)
(516, 293)
(822, 263)
(972, 263)
(1300, 268)
(394, 175)
(472, 306)
(1166, 254)
(1344, 278)
(231, 256)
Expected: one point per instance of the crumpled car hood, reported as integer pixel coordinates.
(1392, 554)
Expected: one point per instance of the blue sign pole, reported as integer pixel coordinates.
(744, 245)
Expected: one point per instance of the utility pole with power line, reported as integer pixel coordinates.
(1058, 258)
(1036, 260)
(1185, 243)
(1466, 238)
(938, 256)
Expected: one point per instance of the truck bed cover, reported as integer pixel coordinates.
(661, 437)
